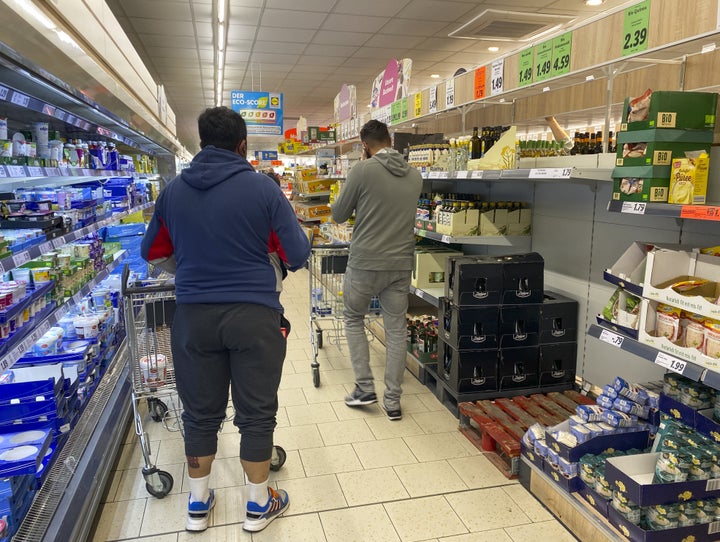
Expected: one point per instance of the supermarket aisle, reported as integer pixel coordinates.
(352, 475)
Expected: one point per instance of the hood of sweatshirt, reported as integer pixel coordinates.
(212, 166)
(393, 161)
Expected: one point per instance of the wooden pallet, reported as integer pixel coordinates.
(497, 426)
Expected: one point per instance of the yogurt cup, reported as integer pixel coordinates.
(153, 369)
(86, 327)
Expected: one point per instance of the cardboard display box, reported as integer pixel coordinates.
(597, 501)
(597, 445)
(493, 222)
(635, 533)
(559, 318)
(661, 146)
(518, 367)
(678, 411)
(519, 222)
(641, 183)
(469, 328)
(468, 370)
(628, 271)
(458, 224)
(519, 325)
(474, 280)
(672, 109)
(557, 364)
(429, 266)
(523, 278)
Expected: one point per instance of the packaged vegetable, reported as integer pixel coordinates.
(639, 108)
(619, 419)
(693, 330)
(711, 347)
(672, 466)
(667, 322)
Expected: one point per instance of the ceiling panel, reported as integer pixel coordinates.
(412, 27)
(166, 28)
(354, 23)
(158, 9)
(442, 10)
(180, 42)
(323, 6)
(315, 49)
(331, 37)
(383, 8)
(243, 15)
(296, 19)
(274, 58)
(288, 34)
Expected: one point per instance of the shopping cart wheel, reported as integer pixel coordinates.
(157, 409)
(319, 338)
(278, 458)
(316, 374)
(167, 484)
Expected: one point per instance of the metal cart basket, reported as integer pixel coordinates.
(149, 311)
(327, 273)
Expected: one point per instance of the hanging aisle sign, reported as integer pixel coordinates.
(543, 61)
(479, 86)
(496, 77)
(525, 76)
(404, 112)
(262, 111)
(392, 83)
(449, 93)
(432, 106)
(562, 48)
(636, 25)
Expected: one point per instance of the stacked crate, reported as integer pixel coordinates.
(500, 331)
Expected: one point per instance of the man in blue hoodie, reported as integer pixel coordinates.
(227, 233)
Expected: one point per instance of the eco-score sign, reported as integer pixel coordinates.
(262, 111)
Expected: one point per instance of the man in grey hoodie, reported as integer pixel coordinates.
(383, 191)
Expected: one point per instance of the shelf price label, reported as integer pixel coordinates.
(450, 93)
(636, 24)
(4, 93)
(58, 242)
(21, 258)
(611, 338)
(671, 363)
(562, 47)
(404, 113)
(550, 173)
(543, 61)
(700, 212)
(46, 247)
(446, 239)
(35, 171)
(633, 207)
(432, 106)
(496, 77)
(16, 171)
(525, 76)
(479, 86)
(20, 99)
(418, 104)
(461, 174)
(477, 174)
(3, 173)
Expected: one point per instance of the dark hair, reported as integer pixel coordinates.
(376, 133)
(221, 127)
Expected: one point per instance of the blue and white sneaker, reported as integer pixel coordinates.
(199, 513)
(258, 517)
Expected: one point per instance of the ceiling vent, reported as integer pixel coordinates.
(498, 25)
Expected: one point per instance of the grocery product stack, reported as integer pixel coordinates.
(129, 237)
(663, 147)
(500, 331)
(422, 337)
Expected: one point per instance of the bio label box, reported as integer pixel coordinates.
(659, 147)
(669, 109)
(641, 183)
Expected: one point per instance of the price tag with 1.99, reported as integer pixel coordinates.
(669, 362)
(611, 338)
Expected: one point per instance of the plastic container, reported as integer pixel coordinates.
(153, 369)
(41, 275)
(86, 327)
(22, 273)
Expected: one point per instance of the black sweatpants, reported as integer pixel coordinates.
(219, 346)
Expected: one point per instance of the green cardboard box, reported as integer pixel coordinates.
(641, 183)
(661, 146)
(672, 109)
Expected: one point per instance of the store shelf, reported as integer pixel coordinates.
(18, 345)
(628, 344)
(489, 240)
(569, 173)
(16, 260)
(312, 194)
(431, 295)
(693, 212)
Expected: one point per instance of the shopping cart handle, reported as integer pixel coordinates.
(331, 245)
(155, 288)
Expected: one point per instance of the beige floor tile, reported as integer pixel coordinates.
(288, 369)
(545, 530)
(282, 418)
(224, 533)
(132, 484)
(432, 478)
(337, 376)
(411, 404)
(424, 518)
(329, 460)
(412, 385)
(311, 414)
(485, 509)
(325, 393)
(383, 428)
(315, 494)
(371, 486)
(290, 381)
(362, 524)
(478, 472)
(171, 452)
(112, 486)
(496, 535)
(298, 438)
(302, 366)
(439, 421)
(229, 507)
(226, 472)
(345, 432)
(435, 446)
(467, 444)
(165, 515)
(344, 412)
(305, 528)
(131, 457)
(431, 402)
(384, 453)
(293, 468)
(228, 444)
(528, 503)
(118, 520)
(291, 397)
(335, 363)
(157, 431)
(159, 538)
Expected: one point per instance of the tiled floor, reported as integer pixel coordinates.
(352, 475)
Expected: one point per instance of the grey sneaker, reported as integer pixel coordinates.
(360, 398)
(393, 413)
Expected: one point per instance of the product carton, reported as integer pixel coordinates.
(533, 457)
(669, 109)
(635, 533)
(628, 271)
(519, 222)
(469, 328)
(641, 183)
(519, 325)
(661, 146)
(502, 155)
(474, 280)
(557, 363)
(519, 367)
(559, 318)
(705, 424)
(647, 335)
(633, 475)
(667, 267)
(462, 223)
(568, 484)
(597, 445)
(523, 278)
(678, 411)
(429, 267)
(689, 179)
(493, 222)
(597, 501)
(468, 371)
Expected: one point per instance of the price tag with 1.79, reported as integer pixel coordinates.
(611, 338)
(669, 362)
(633, 207)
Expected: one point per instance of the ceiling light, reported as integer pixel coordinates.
(221, 58)
(221, 37)
(493, 49)
(435, 76)
(221, 11)
(594, 2)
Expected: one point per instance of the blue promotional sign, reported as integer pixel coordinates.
(262, 111)
(266, 155)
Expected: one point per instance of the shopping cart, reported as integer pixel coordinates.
(327, 272)
(149, 307)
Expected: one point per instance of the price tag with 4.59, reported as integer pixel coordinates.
(611, 338)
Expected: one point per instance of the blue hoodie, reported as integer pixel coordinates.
(226, 226)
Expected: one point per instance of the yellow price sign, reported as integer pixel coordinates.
(418, 104)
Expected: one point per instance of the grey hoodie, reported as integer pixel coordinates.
(383, 191)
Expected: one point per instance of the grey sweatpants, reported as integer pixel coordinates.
(392, 287)
(220, 346)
